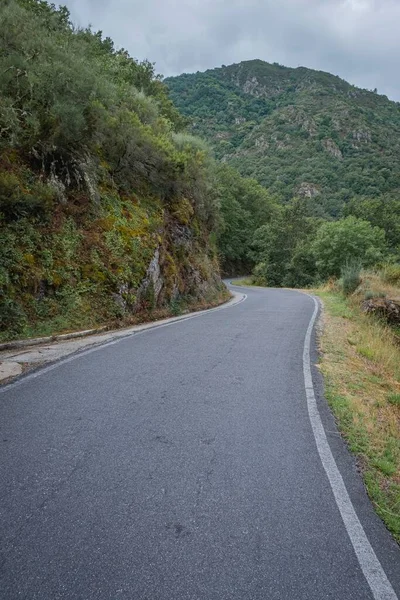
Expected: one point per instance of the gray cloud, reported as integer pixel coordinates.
(355, 39)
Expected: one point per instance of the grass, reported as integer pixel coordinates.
(61, 324)
(360, 361)
(394, 399)
(245, 281)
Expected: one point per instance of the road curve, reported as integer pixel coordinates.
(181, 464)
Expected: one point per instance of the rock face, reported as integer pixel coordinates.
(136, 256)
(389, 310)
(332, 148)
(308, 190)
(153, 279)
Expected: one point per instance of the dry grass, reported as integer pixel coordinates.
(374, 282)
(361, 365)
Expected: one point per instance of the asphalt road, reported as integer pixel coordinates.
(181, 464)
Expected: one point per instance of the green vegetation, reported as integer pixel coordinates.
(298, 132)
(360, 361)
(110, 210)
(351, 276)
(244, 207)
(106, 208)
(328, 154)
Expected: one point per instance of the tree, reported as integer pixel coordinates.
(284, 246)
(383, 212)
(349, 239)
(244, 206)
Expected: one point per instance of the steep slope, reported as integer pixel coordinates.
(299, 132)
(105, 208)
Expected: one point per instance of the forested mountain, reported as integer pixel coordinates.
(111, 208)
(106, 208)
(298, 132)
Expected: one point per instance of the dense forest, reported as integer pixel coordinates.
(327, 152)
(114, 204)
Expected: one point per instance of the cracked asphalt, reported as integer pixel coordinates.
(180, 463)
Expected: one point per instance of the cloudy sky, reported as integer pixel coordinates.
(355, 39)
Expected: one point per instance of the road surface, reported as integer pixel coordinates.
(182, 464)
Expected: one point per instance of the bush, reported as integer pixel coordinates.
(391, 274)
(345, 241)
(350, 277)
(260, 274)
(371, 295)
(12, 317)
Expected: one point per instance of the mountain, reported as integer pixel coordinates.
(299, 132)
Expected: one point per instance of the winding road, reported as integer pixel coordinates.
(195, 461)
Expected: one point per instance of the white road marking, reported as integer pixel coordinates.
(101, 345)
(371, 567)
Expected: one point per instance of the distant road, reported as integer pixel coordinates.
(182, 464)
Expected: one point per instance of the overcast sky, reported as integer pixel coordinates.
(359, 40)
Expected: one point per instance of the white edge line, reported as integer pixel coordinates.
(147, 327)
(372, 569)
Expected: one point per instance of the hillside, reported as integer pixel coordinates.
(106, 209)
(299, 132)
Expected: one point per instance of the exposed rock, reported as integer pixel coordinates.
(58, 187)
(120, 297)
(251, 86)
(281, 144)
(308, 190)
(383, 308)
(332, 148)
(153, 281)
(223, 135)
(302, 119)
(361, 137)
(239, 120)
(181, 234)
(90, 179)
(261, 143)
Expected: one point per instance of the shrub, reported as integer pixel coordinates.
(260, 274)
(350, 239)
(391, 274)
(394, 399)
(372, 295)
(12, 317)
(351, 278)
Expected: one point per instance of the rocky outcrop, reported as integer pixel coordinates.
(384, 308)
(308, 190)
(360, 138)
(332, 148)
(261, 143)
(153, 281)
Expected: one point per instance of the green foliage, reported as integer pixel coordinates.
(351, 276)
(371, 295)
(284, 246)
(107, 115)
(350, 239)
(244, 207)
(391, 273)
(383, 212)
(301, 132)
(17, 201)
(96, 178)
(305, 134)
(260, 274)
(394, 399)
